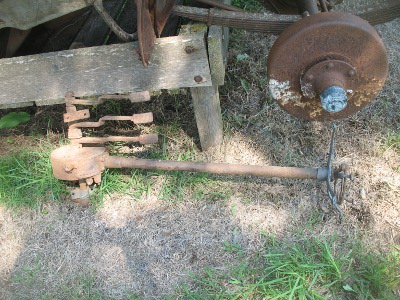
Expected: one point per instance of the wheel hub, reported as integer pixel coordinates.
(327, 66)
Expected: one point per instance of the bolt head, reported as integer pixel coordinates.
(330, 66)
(189, 49)
(351, 73)
(198, 79)
(310, 77)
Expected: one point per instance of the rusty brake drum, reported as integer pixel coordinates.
(327, 66)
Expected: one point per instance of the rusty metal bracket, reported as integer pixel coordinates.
(152, 16)
(74, 130)
(73, 114)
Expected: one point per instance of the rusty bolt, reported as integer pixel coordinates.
(330, 66)
(189, 49)
(198, 78)
(351, 73)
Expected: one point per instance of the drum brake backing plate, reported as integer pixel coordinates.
(327, 66)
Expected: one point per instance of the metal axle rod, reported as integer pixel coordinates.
(216, 168)
(74, 163)
(86, 164)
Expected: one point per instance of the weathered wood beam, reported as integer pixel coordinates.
(206, 102)
(44, 79)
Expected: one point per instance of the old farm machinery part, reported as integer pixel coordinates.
(75, 128)
(86, 164)
(325, 65)
(84, 160)
(317, 72)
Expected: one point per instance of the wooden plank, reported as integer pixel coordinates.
(207, 110)
(206, 103)
(217, 45)
(45, 78)
(215, 55)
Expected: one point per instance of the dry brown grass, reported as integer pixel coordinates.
(149, 246)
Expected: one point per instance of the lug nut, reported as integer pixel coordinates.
(351, 73)
(334, 99)
(330, 66)
(310, 77)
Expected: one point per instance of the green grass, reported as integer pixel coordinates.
(26, 178)
(174, 185)
(177, 185)
(133, 183)
(83, 287)
(393, 142)
(312, 269)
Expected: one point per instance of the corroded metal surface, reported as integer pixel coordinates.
(152, 16)
(320, 51)
(145, 28)
(86, 164)
(74, 163)
(144, 139)
(163, 10)
(74, 130)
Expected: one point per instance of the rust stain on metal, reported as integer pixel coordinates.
(277, 23)
(81, 162)
(318, 52)
(145, 28)
(76, 115)
(136, 119)
(86, 164)
(152, 16)
(145, 139)
(163, 10)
